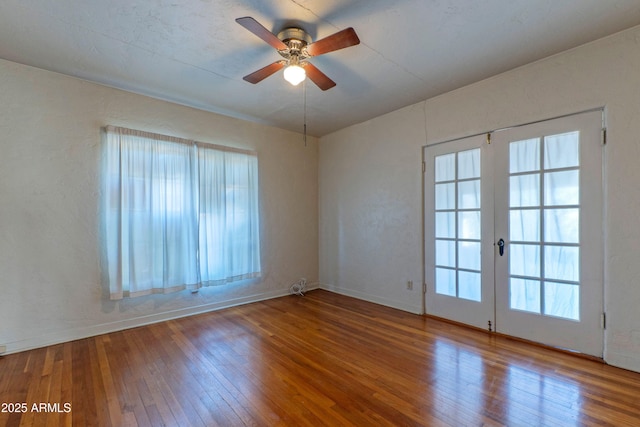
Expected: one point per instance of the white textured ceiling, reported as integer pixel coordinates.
(193, 52)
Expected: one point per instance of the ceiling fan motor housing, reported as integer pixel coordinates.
(293, 33)
(297, 40)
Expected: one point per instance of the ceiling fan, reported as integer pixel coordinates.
(296, 47)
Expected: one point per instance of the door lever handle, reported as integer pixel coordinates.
(501, 246)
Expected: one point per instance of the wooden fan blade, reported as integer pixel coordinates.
(263, 73)
(339, 40)
(318, 77)
(256, 28)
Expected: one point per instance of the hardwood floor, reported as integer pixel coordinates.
(322, 359)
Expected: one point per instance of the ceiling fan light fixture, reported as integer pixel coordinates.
(294, 74)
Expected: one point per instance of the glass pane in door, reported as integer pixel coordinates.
(458, 225)
(544, 225)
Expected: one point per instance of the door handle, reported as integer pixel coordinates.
(501, 246)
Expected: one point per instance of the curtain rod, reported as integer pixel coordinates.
(176, 139)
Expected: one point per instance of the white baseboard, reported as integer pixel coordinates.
(104, 328)
(400, 305)
(90, 331)
(623, 361)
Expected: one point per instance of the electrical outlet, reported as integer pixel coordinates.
(3, 349)
(410, 285)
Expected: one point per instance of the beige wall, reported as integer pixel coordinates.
(370, 177)
(50, 275)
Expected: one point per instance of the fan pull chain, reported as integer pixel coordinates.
(304, 94)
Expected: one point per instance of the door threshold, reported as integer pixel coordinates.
(574, 353)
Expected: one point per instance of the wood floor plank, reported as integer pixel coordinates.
(218, 388)
(322, 359)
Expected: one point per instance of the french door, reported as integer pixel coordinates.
(459, 231)
(513, 232)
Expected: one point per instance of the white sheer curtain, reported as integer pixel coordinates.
(229, 241)
(177, 215)
(544, 225)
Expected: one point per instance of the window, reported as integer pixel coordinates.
(178, 214)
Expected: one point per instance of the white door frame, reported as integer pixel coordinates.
(591, 204)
